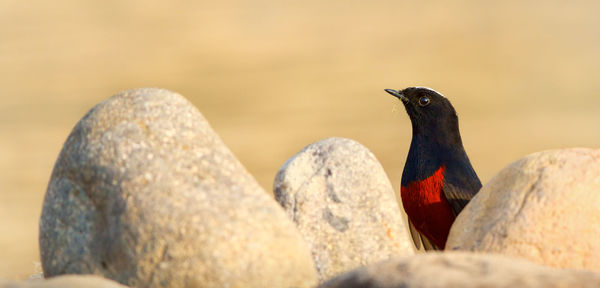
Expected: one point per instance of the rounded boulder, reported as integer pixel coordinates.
(544, 207)
(342, 201)
(64, 281)
(144, 192)
(461, 269)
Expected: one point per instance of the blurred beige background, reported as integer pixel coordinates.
(275, 76)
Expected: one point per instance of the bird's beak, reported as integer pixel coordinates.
(397, 94)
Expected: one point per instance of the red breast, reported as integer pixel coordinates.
(427, 207)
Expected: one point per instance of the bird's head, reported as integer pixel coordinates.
(429, 110)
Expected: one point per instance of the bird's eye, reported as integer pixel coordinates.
(424, 101)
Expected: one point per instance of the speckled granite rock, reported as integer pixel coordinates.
(453, 269)
(343, 203)
(544, 207)
(65, 281)
(144, 192)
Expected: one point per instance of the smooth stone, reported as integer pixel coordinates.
(146, 193)
(65, 281)
(544, 207)
(461, 269)
(342, 201)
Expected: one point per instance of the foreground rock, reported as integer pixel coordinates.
(144, 192)
(544, 207)
(344, 205)
(66, 281)
(452, 269)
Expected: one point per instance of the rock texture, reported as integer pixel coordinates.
(344, 205)
(452, 269)
(66, 281)
(544, 207)
(144, 192)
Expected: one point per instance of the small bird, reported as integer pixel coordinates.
(438, 180)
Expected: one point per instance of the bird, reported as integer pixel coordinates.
(438, 179)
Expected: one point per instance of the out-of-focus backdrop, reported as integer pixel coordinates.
(275, 76)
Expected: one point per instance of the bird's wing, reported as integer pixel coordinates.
(457, 198)
(460, 182)
(459, 191)
(421, 242)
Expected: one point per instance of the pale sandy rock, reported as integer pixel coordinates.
(461, 269)
(65, 281)
(144, 192)
(544, 207)
(343, 203)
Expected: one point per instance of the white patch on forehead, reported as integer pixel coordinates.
(427, 88)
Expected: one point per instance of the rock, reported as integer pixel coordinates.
(65, 281)
(343, 203)
(544, 207)
(460, 269)
(144, 192)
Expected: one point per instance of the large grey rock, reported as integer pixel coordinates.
(544, 207)
(343, 203)
(65, 281)
(453, 269)
(144, 192)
